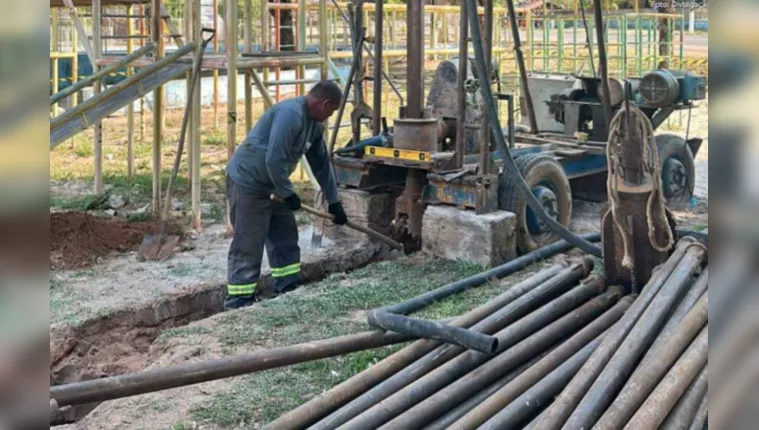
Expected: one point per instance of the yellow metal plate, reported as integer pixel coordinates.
(402, 154)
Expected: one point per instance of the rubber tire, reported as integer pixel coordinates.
(672, 146)
(534, 169)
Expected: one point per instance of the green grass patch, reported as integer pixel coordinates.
(332, 307)
(700, 227)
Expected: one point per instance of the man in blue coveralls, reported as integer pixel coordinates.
(261, 166)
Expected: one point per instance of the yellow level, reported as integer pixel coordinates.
(403, 154)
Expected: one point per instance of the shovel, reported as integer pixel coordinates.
(159, 247)
(366, 230)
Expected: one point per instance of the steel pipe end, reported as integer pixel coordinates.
(616, 290)
(494, 346)
(587, 265)
(598, 281)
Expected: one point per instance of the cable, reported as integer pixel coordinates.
(509, 165)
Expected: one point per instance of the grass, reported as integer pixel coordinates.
(329, 308)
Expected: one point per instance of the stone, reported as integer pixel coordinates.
(116, 201)
(206, 209)
(110, 212)
(176, 204)
(372, 209)
(455, 234)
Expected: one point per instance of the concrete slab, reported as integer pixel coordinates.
(454, 234)
(372, 209)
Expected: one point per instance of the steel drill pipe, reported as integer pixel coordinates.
(115, 387)
(684, 412)
(618, 369)
(691, 298)
(653, 368)
(560, 329)
(506, 395)
(699, 421)
(430, 297)
(658, 405)
(337, 396)
(458, 391)
(432, 330)
(536, 397)
(557, 414)
(513, 311)
(523, 331)
(461, 409)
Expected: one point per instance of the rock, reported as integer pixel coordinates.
(110, 212)
(109, 157)
(176, 204)
(144, 209)
(116, 201)
(206, 209)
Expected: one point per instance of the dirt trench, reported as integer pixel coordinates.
(121, 342)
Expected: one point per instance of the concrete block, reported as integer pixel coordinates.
(455, 234)
(374, 210)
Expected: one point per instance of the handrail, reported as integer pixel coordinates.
(55, 98)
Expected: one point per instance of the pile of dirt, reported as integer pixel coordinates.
(78, 239)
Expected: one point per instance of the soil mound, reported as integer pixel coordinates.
(78, 239)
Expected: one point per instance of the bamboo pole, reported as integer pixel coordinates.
(74, 69)
(55, 42)
(142, 97)
(216, 71)
(265, 33)
(196, 123)
(188, 33)
(231, 49)
(301, 42)
(248, 14)
(98, 131)
(130, 107)
(156, 33)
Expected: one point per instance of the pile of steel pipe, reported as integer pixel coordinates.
(571, 353)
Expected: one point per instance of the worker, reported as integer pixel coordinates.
(259, 169)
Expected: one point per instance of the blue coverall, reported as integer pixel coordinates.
(262, 166)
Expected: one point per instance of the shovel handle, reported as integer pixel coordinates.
(366, 230)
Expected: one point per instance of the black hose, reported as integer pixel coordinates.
(509, 165)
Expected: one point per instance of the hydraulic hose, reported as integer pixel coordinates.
(509, 165)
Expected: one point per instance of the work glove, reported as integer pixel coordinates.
(336, 209)
(293, 202)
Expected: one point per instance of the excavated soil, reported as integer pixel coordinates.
(79, 239)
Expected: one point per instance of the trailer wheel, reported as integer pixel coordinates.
(550, 185)
(678, 170)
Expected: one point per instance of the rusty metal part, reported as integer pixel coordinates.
(415, 58)
(453, 415)
(346, 93)
(487, 40)
(633, 201)
(694, 294)
(653, 368)
(603, 66)
(416, 134)
(536, 397)
(686, 409)
(621, 365)
(526, 99)
(510, 392)
(361, 110)
(418, 327)
(532, 333)
(379, 19)
(526, 297)
(99, 390)
(655, 409)
(308, 413)
(409, 210)
(557, 414)
(460, 81)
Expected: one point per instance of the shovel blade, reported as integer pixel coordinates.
(167, 248)
(149, 247)
(154, 247)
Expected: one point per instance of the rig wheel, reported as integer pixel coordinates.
(678, 170)
(548, 182)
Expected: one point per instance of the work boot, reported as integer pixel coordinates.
(237, 302)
